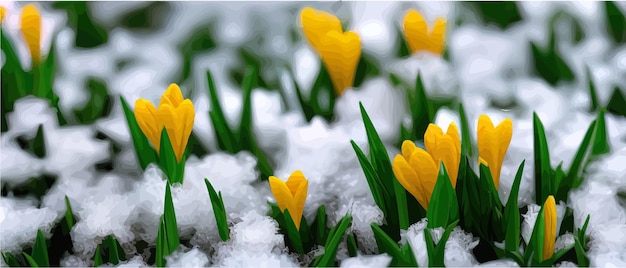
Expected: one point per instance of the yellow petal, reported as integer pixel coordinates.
(407, 177)
(433, 132)
(416, 31)
(145, 113)
(407, 149)
(281, 193)
(447, 153)
(172, 96)
(31, 30)
(453, 132)
(167, 117)
(504, 133)
(488, 145)
(549, 215)
(426, 170)
(340, 53)
(186, 114)
(298, 201)
(437, 36)
(295, 180)
(3, 12)
(316, 24)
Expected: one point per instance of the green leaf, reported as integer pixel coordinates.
(615, 22)
(145, 153)
(99, 103)
(174, 170)
(443, 207)
(97, 257)
(382, 165)
(403, 48)
(502, 14)
(201, 40)
(171, 227)
(422, 110)
(219, 211)
(88, 33)
(535, 250)
(36, 146)
(69, 216)
(601, 139)
(352, 247)
(162, 248)
(549, 63)
(376, 185)
(293, 234)
(576, 168)
(466, 136)
(400, 256)
(224, 134)
(320, 225)
(10, 260)
(323, 95)
(617, 103)
(113, 250)
(40, 250)
(594, 104)
(487, 183)
(332, 243)
(30, 260)
(512, 214)
(544, 183)
(367, 67)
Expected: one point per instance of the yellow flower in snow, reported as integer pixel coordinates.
(493, 143)
(418, 37)
(174, 114)
(417, 169)
(30, 26)
(549, 217)
(291, 195)
(340, 51)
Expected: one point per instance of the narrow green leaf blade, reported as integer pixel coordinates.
(293, 234)
(97, 257)
(512, 214)
(40, 250)
(145, 153)
(544, 183)
(31, 261)
(467, 142)
(171, 227)
(332, 244)
(601, 140)
(219, 211)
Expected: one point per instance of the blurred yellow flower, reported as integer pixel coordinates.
(340, 51)
(3, 12)
(291, 195)
(493, 143)
(549, 238)
(30, 26)
(417, 169)
(418, 37)
(174, 113)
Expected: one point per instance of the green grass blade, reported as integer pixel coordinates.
(512, 214)
(422, 111)
(171, 227)
(352, 247)
(168, 162)
(113, 250)
(144, 152)
(594, 104)
(443, 207)
(617, 103)
(582, 153)
(332, 243)
(544, 183)
(581, 256)
(382, 165)
(601, 139)
(30, 260)
(467, 142)
(377, 187)
(162, 249)
(400, 256)
(293, 234)
(223, 132)
(219, 211)
(487, 183)
(40, 250)
(69, 216)
(10, 260)
(320, 224)
(98, 105)
(615, 22)
(97, 257)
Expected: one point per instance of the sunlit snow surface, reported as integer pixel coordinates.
(488, 66)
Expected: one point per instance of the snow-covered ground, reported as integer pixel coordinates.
(487, 65)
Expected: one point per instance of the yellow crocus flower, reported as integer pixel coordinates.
(417, 169)
(174, 113)
(291, 195)
(340, 51)
(418, 37)
(549, 217)
(493, 143)
(30, 26)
